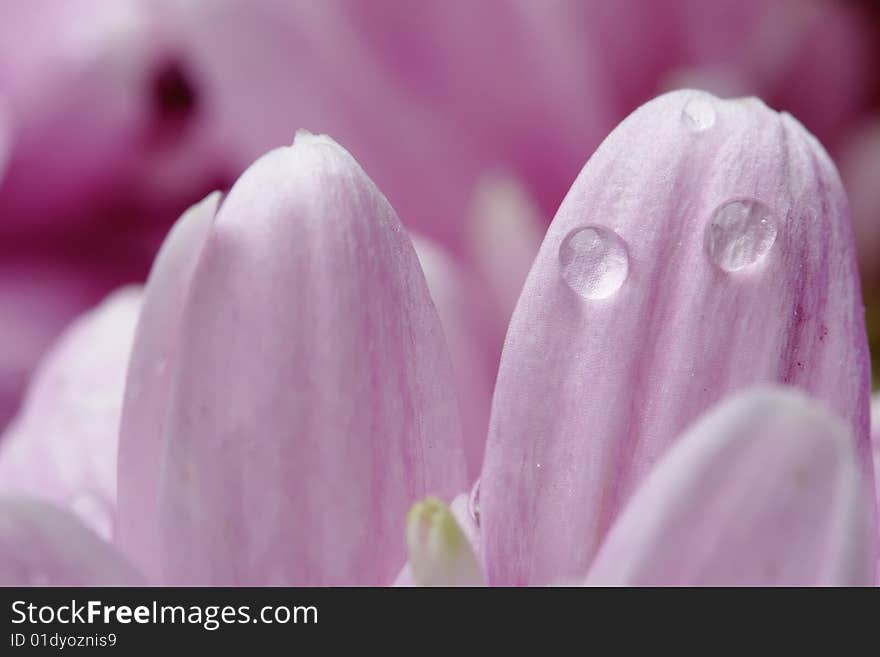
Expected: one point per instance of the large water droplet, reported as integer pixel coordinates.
(698, 113)
(474, 503)
(594, 261)
(740, 233)
(95, 512)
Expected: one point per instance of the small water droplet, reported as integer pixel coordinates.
(740, 233)
(474, 503)
(698, 113)
(594, 261)
(95, 512)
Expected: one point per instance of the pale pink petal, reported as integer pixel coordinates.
(405, 578)
(705, 246)
(313, 401)
(63, 444)
(765, 489)
(148, 385)
(42, 545)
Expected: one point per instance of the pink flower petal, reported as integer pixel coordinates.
(62, 446)
(41, 545)
(148, 385)
(313, 401)
(705, 246)
(765, 489)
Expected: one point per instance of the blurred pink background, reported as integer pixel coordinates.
(116, 115)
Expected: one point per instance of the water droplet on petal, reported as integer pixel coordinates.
(698, 113)
(594, 261)
(474, 503)
(94, 512)
(740, 233)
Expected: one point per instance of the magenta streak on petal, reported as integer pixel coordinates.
(592, 391)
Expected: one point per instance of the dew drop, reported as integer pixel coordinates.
(95, 512)
(474, 503)
(594, 261)
(698, 113)
(739, 234)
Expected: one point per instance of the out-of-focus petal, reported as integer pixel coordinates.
(313, 398)
(44, 286)
(315, 63)
(41, 545)
(62, 446)
(468, 319)
(765, 489)
(705, 247)
(505, 233)
(149, 381)
(471, 59)
(875, 443)
(75, 76)
(811, 59)
(439, 552)
(4, 137)
(859, 164)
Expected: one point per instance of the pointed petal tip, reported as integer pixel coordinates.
(306, 138)
(302, 240)
(704, 247)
